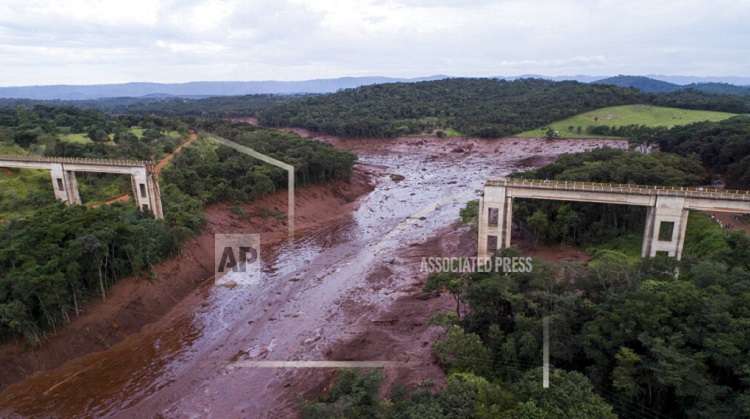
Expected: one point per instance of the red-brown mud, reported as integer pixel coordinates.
(136, 301)
(731, 221)
(348, 289)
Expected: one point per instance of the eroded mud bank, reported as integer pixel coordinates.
(344, 289)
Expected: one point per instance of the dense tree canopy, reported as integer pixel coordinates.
(475, 107)
(723, 147)
(42, 129)
(584, 224)
(215, 173)
(53, 258)
(479, 107)
(627, 337)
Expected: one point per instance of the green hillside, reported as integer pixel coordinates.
(617, 116)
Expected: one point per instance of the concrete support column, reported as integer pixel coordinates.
(155, 196)
(65, 185)
(682, 232)
(146, 192)
(72, 182)
(648, 233)
(666, 224)
(508, 223)
(482, 229)
(495, 212)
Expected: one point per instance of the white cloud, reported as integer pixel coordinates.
(82, 41)
(197, 48)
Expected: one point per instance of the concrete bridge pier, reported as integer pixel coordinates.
(495, 221)
(146, 192)
(666, 224)
(65, 185)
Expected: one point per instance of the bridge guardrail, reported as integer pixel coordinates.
(76, 160)
(688, 192)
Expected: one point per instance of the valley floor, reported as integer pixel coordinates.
(348, 288)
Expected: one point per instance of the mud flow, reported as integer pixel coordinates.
(314, 292)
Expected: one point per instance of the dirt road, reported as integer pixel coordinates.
(323, 296)
(192, 137)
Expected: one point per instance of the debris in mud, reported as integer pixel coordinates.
(311, 340)
(384, 338)
(389, 322)
(534, 161)
(239, 355)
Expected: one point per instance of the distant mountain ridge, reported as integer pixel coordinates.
(202, 89)
(719, 88)
(644, 84)
(196, 88)
(651, 85)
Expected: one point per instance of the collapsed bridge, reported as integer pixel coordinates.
(666, 219)
(63, 169)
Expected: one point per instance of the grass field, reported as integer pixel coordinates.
(11, 149)
(23, 191)
(450, 132)
(703, 238)
(629, 244)
(99, 188)
(77, 138)
(137, 131)
(615, 116)
(83, 138)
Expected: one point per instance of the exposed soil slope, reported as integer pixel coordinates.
(136, 301)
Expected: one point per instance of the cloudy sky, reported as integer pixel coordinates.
(89, 41)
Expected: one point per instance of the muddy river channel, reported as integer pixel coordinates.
(314, 292)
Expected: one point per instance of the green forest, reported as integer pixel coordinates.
(73, 132)
(454, 106)
(723, 147)
(584, 224)
(213, 173)
(628, 338)
(210, 107)
(78, 132)
(54, 258)
(473, 107)
(476, 107)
